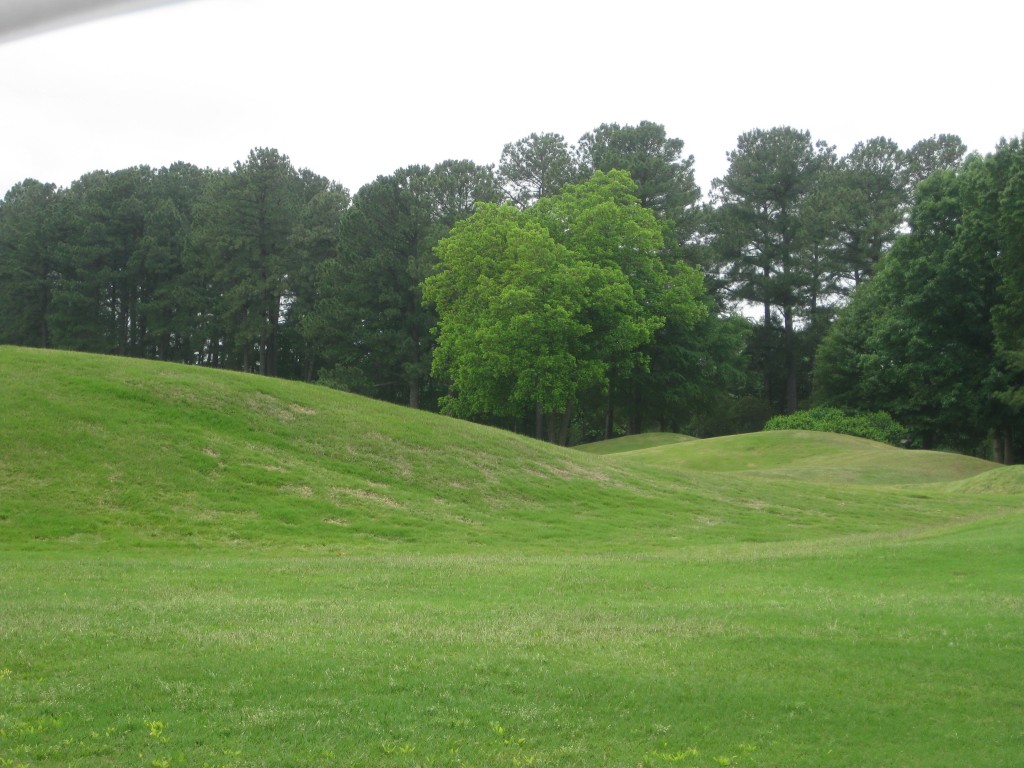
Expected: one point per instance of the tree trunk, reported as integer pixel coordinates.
(414, 395)
(791, 372)
(274, 320)
(636, 416)
(539, 422)
(1007, 454)
(563, 435)
(609, 411)
(245, 344)
(309, 367)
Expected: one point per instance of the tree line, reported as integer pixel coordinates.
(571, 291)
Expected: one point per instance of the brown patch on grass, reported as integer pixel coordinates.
(363, 494)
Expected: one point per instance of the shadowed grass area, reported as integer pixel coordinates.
(204, 568)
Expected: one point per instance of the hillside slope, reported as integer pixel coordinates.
(630, 443)
(99, 451)
(822, 457)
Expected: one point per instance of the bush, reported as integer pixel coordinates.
(877, 425)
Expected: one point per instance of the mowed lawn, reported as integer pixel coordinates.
(404, 606)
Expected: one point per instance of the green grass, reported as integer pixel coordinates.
(818, 457)
(201, 568)
(631, 443)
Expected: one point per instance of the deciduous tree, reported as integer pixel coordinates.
(537, 307)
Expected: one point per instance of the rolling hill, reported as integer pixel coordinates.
(113, 451)
(109, 451)
(214, 569)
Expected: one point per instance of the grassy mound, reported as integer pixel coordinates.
(106, 451)
(1002, 480)
(631, 443)
(119, 451)
(205, 568)
(821, 457)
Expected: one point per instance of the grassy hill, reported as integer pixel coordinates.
(116, 452)
(206, 568)
(820, 457)
(631, 443)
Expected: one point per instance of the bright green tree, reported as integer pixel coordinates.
(513, 329)
(538, 307)
(604, 219)
(663, 176)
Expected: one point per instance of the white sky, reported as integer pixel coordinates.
(354, 90)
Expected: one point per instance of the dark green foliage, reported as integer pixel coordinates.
(1006, 225)
(923, 339)
(265, 267)
(869, 193)
(697, 368)
(943, 152)
(28, 262)
(99, 266)
(171, 295)
(928, 346)
(771, 232)
(242, 245)
(97, 299)
(536, 166)
(370, 322)
(875, 425)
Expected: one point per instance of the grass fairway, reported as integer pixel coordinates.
(202, 568)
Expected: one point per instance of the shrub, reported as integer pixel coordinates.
(876, 425)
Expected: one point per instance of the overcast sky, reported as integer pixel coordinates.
(355, 90)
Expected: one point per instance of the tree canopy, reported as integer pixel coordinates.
(573, 291)
(536, 307)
